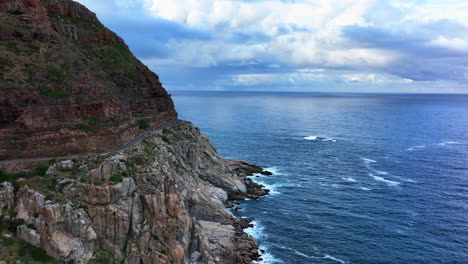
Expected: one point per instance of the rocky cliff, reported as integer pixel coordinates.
(69, 85)
(161, 201)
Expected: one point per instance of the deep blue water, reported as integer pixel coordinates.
(385, 181)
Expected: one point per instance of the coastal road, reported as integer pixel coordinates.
(130, 144)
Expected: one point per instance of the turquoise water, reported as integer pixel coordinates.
(359, 178)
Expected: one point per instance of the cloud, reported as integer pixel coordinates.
(240, 43)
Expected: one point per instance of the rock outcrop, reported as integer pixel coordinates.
(162, 201)
(69, 85)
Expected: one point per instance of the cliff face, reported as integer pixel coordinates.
(161, 201)
(69, 85)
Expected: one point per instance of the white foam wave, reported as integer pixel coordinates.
(274, 188)
(365, 189)
(404, 179)
(367, 163)
(415, 148)
(368, 160)
(256, 231)
(445, 143)
(382, 179)
(274, 170)
(349, 179)
(325, 256)
(298, 252)
(267, 258)
(334, 259)
(381, 172)
(318, 138)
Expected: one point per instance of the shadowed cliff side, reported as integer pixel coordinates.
(68, 85)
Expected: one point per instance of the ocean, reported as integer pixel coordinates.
(358, 178)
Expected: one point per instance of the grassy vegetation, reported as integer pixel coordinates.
(139, 161)
(81, 174)
(165, 139)
(49, 183)
(13, 48)
(56, 74)
(33, 47)
(40, 170)
(62, 118)
(148, 151)
(116, 178)
(5, 176)
(14, 249)
(91, 125)
(92, 25)
(55, 93)
(132, 74)
(101, 257)
(30, 253)
(3, 67)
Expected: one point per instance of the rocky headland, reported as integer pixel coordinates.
(69, 86)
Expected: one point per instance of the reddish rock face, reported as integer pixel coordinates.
(69, 85)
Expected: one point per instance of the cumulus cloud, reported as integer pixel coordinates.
(237, 43)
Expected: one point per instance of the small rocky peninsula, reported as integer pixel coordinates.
(69, 86)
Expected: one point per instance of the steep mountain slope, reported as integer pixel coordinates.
(69, 85)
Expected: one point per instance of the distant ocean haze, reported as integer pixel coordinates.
(358, 178)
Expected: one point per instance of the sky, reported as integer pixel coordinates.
(414, 46)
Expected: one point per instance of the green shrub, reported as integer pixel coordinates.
(29, 253)
(165, 139)
(34, 47)
(13, 48)
(80, 173)
(56, 74)
(5, 176)
(49, 183)
(3, 66)
(40, 170)
(101, 257)
(144, 124)
(116, 178)
(148, 151)
(132, 74)
(139, 161)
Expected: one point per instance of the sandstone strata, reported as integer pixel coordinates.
(68, 84)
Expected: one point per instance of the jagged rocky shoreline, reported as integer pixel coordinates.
(162, 201)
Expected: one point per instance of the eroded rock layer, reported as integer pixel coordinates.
(69, 85)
